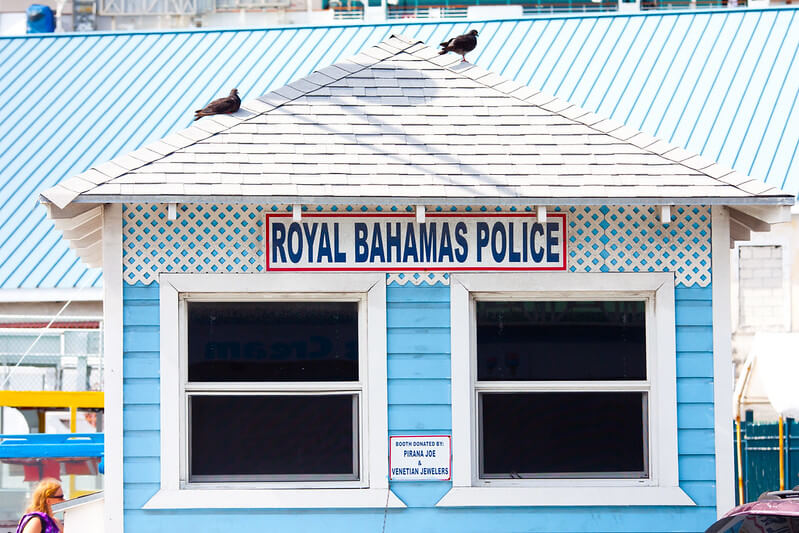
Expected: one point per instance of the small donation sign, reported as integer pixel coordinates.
(420, 458)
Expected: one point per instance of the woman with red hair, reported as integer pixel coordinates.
(38, 517)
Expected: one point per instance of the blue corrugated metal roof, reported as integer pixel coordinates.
(721, 83)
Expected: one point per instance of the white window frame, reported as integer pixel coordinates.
(662, 485)
(281, 388)
(371, 490)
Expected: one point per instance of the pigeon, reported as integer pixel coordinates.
(462, 44)
(228, 104)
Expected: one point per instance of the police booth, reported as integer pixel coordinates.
(403, 293)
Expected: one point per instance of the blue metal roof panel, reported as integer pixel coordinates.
(721, 83)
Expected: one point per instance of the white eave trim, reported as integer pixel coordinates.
(766, 201)
(51, 295)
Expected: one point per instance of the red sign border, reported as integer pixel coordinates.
(269, 268)
(449, 437)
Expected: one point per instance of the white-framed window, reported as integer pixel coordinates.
(273, 391)
(564, 390)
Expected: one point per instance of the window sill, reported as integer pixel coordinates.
(273, 499)
(566, 496)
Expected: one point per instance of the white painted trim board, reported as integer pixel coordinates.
(722, 359)
(112, 349)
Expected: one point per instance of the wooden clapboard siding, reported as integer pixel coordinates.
(141, 422)
(419, 402)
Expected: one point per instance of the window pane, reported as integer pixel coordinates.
(273, 341)
(561, 341)
(273, 437)
(544, 434)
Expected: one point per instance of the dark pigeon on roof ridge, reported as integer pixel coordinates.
(461, 45)
(225, 105)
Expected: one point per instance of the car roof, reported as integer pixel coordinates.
(785, 503)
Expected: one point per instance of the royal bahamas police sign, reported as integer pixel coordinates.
(443, 242)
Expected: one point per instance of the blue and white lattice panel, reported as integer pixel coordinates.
(229, 238)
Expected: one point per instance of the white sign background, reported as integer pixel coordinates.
(420, 458)
(397, 242)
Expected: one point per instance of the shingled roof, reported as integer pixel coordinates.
(401, 123)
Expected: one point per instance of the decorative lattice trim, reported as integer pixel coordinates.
(229, 238)
(418, 278)
(632, 239)
(204, 238)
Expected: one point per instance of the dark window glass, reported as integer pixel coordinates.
(561, 341)
(273, 437)
(562, 433)
(273, 341)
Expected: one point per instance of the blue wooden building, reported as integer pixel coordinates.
(404, 245)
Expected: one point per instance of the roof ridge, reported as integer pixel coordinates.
(363, 60)
(65, 192)
(608, 126)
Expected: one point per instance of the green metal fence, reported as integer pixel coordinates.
(760, 456)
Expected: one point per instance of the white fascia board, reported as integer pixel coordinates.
(763, 201)
(51, 295)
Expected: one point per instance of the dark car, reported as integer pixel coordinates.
(773, 512)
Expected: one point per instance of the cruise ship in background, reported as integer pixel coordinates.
(134, 15)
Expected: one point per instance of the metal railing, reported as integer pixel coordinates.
(235, 5)
(577, 6)
(411, 10)
(404, 11)
(348, 12)
(154, 7)
(655, 5)
(65, 356)
(427, 12)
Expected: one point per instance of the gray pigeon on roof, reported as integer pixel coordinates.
(228, 104)
(462, 44)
